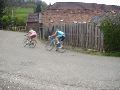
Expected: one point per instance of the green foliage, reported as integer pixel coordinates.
(40, 6)
(116, 54)
(21, 15)
(22, 10)
(2, 7)
(18, 18)
(111, 30)
(5, 20)
(21, 3)
(14, 15)
(44, 6)
(20, 21)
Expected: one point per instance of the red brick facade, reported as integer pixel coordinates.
(68, 16)
(68, 12)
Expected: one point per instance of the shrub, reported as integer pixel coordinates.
(20, 22)
(6, 21)
(110, 27)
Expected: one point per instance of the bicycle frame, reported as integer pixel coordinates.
(52, 40)
(29, 42)
(51, 44)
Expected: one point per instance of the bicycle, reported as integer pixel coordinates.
(28, 42)
(51, 43)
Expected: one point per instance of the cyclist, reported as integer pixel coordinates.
(31, 34)
(59, 36)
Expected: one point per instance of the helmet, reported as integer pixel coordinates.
(31, 30)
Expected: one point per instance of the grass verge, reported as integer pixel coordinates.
(93, 52)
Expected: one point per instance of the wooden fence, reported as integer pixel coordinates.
(83, 35)
(18, 28)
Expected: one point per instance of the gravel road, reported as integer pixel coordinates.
(24, 68)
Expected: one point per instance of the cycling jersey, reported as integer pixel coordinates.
(60, 34)
(33, 33)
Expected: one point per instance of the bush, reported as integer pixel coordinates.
(6, 21)
(110, 27)
(20, 22)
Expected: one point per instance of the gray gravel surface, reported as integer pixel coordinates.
(24, 68)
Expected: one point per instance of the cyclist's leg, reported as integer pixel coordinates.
(32, 37)
(57, 39)
(58, 42)
(33, 41)
(28, 39)
(61, 40)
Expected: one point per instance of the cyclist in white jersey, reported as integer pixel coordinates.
(32, 34)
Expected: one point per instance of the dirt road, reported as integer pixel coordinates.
(23, 68)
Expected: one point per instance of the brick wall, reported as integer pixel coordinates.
(68, 16)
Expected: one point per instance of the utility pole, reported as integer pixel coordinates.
(12, 22)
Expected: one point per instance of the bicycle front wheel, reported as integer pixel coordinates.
(25, 42)
(33, 43)
(49, 45)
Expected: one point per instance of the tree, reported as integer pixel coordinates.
(6, 12)
(2, 8)
(44, 6)
(110, 27)
(40, 6)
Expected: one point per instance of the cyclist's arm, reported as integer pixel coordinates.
(27, 34)
(54, 34)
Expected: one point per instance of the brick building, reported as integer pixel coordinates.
(75, 12)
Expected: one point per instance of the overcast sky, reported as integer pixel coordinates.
(107, 2)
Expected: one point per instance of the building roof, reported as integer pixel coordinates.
(33, 17)
(83, 6)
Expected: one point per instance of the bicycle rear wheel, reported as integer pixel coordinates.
(49, 45)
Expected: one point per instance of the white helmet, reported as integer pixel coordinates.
(31, 30)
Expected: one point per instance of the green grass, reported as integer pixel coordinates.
(116, 54)
(22, 12)
(94, 52)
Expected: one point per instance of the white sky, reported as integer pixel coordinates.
(107, 2)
